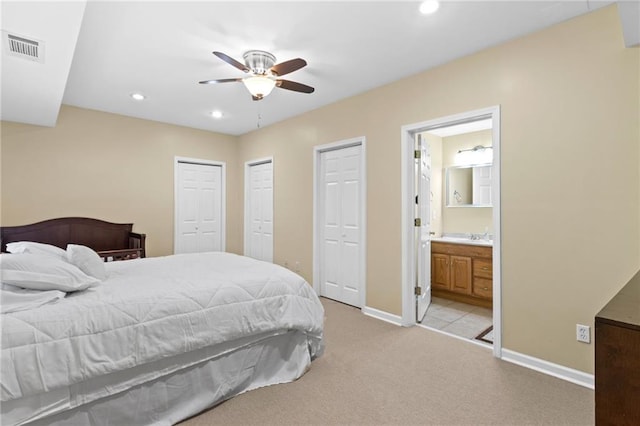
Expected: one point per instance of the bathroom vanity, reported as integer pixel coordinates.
(462, 270)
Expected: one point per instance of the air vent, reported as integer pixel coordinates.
(23, 47)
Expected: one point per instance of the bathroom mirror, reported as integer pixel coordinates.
(469, 186)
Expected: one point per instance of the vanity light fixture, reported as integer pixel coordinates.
(477, 155)
(475, 148)
(429, 6)
(138, 96)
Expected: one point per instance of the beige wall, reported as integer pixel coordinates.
(570, 174)
(570, 196)
(110, 167)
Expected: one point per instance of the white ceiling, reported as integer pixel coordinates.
(32, 91)
(162, 49)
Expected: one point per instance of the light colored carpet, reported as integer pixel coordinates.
(375, 373)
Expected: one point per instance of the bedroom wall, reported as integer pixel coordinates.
(570, 174)
(109, 167)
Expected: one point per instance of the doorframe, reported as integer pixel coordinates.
(223, 196)
(408, 192)
(317, 151)
(247, 225)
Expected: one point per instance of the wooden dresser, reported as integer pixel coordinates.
(462, 272)
(617, 359)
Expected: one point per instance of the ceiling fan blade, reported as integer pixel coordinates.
(228, 59)
(296, 87)
(288, 66)
(223, 80)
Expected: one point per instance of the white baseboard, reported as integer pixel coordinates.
(565, 373)
(382, 315)
(556, 370)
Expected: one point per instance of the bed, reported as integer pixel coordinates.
(112, 241)
(157, 340)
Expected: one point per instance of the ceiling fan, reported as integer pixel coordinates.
(263, 74)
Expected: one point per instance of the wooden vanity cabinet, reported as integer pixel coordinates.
(462, 272)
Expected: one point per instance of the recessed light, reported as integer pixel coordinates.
(216, 114)
(429, 6)
(138, 96)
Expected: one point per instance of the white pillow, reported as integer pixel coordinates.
(36, 248)
(87, 261)
(42, 272)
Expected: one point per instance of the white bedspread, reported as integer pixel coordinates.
(150, 309)
(14, 299)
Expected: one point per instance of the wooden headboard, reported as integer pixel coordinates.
(97, 234)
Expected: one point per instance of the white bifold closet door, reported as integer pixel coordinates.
(339, 208)
(199, 208)
(259, 211)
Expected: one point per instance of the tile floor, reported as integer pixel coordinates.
(457, 318)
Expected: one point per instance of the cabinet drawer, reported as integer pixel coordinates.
(483, 287)
(483, 268)
(461, 249)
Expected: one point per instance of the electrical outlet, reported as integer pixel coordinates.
(583, 333)
(286, 264)
(297, 266)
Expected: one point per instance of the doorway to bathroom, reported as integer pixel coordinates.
(451, 226)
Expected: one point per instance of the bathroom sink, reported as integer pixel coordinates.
(463, 240)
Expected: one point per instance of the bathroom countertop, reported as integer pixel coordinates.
(461, 240)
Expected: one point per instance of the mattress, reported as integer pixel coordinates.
(150, 319)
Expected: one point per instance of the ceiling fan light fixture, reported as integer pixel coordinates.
(259, 61)
(264, 73)
(259, 85)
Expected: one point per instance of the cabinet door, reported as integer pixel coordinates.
(461, 274)
(440, 271)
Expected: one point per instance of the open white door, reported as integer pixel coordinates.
(258, 227)
(423, 226)
(482, 185)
